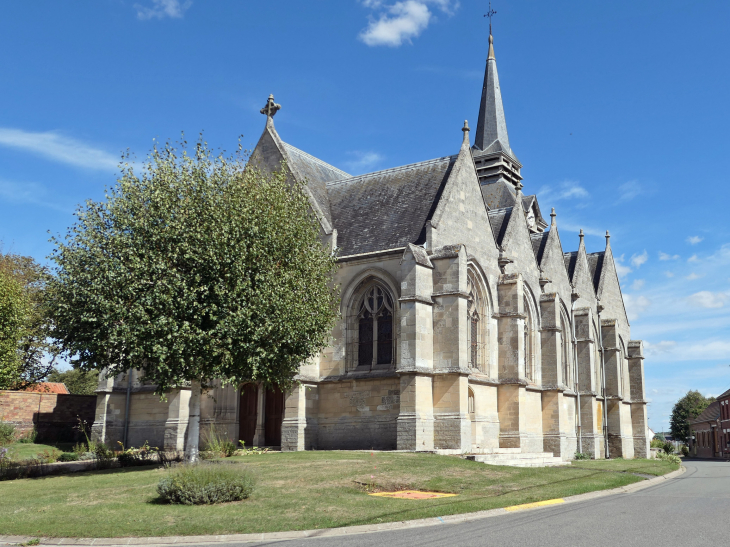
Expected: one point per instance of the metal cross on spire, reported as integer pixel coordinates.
(491, 13)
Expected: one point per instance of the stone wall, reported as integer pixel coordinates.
(358, 414)
(55, 416)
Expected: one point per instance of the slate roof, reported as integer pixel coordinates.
(539, 242)
(710, 414)
(499, 219)
(571, 260)
(387, 209)
(595, 264)
(317, 173)
(498, 195)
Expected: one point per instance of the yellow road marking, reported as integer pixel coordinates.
(536, 504)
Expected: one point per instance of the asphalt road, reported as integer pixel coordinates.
(692, 509)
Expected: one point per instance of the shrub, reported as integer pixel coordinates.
(144, 455)
(668, 447)
(657, 443)
(205, 483)
(68, 457)
(669, 458)
(218, 443)
(581, 456)
(7, 433)
(104, 456)
(685, 450)
(29, 437)
(48, 456)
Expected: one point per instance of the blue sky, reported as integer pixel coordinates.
(618, 111)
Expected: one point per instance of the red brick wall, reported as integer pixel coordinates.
(55, 416)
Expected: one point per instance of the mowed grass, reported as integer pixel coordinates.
(24, 451)
(295, 491)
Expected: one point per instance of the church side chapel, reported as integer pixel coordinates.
(464, 328)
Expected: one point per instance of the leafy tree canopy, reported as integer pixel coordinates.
(687, 408)
(197, 267)
(78, 382)
(26, 349)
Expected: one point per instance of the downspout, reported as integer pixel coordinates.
(126, 408)
(603, 382)
(574, 297)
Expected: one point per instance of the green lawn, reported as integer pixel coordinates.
(24, 451)
(295, 491)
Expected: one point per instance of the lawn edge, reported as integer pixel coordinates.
(333, 532)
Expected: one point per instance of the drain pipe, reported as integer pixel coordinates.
(126, 408)
(603, 382)
(574, 296)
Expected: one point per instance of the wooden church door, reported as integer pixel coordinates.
(247, 414)
(273, 416)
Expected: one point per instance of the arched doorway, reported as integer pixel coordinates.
(273, 416)
(248, 414)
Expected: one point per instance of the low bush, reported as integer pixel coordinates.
(144, 455)
(657, 443)
(668, 447)
(7, 433)
(217, 442)
(581, 456)
(205, 484)
(685, 450)
(29, 437)
(48, 456)
(68, 457)
(669, 458)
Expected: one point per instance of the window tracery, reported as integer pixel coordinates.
(527, 334)
(375, 328)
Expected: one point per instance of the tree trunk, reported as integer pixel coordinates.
(191, 450)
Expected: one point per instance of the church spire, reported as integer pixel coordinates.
(491, 133)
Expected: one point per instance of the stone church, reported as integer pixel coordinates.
(465, 327)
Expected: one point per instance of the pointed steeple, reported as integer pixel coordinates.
(493, 157)
(491, 133)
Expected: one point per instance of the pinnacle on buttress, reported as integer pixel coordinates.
(466, 130)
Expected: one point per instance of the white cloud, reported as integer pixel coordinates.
(629, 190)
(665, 256)
(163, 8)
(402, 21)
(363, 162)
(637, 285)
(693, 258)
(707, 299)
(30, 193)
(58, 147)
(694, 240)
(638, 260)
(669, 274)
(621, 269)
(568, 189)
(665, 346)
(635, 305)
(693, 276)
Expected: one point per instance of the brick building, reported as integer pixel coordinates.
(710, 431)
(464, 325)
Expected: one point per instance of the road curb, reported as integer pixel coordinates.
(330, 532)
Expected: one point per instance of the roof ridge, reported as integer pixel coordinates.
(315, 159)
(351, 178)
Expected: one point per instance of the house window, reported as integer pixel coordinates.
(375, 328)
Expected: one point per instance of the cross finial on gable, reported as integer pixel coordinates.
(271, 107)
(466, 130)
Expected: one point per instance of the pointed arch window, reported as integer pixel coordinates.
(472, 321)
(375, 328)
(565, 351)
(529, 369)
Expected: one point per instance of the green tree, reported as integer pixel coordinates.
(199, 268)
(13, 310)
(28, 352)
(688, 407)
(78, 382)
